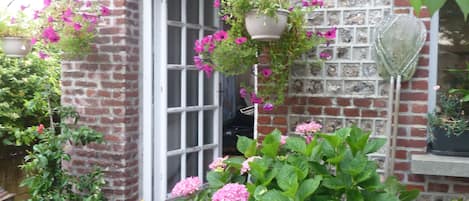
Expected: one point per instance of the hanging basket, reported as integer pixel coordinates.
(16, 46)
(265, 28)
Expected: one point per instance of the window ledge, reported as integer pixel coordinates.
(429, 164)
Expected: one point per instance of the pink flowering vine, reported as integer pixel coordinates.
(50, 35)
(241, 40)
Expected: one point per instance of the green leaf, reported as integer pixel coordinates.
(235, 161)
(372, 183)
(259, 192)
(374, 145)
(353, 165)
(296, 144)
(271, 144)
(409, 195)
(274, 195)
(354, 195)
(258, 168)
(357, 139)
(215, 179)
(341, 181)
(333, 140)
(464, 6)
(301, 164)
(308, 187)
(434, 5)
(370, 168)
(246, 146)
(287, 179)
(417, 5)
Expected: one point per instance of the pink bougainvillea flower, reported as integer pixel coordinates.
(77, 26)
(255, 99)
(33, 41)
(43, 55)
(283, 139)
(12, 20)
(240, 40)
(220, 35)
(216, 3)
(47, 3)
(231, 192)
(436, 87)
(325, 55)
(40, 129)
(186, 187)
(218, 164)
(331, 34)
(243, 92)
(245, 166)
(88, 4)
(105, 11)
(268, 107)
(50, 35)
(266, 72)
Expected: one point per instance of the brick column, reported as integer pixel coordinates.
(104, 89)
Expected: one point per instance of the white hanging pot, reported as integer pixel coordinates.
(16, 46)
(265, 28)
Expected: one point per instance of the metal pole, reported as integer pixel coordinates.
(389, 127)
(396, 122)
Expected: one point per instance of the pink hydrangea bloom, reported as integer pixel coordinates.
(283, 139)
(240, 40)
(245, 168)
(231, 192)
(186, 187)
(310, 127)
(218, 164)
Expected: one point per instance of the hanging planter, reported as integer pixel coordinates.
(266, 28)
(16, 46)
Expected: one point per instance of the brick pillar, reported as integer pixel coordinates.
(103, 87)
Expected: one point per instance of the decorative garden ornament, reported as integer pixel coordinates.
(265, 28)
(16, 46)
(399, 39)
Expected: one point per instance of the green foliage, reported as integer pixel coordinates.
(332, 167)
(20, 26)
(435, 5)
(27, 88)
(45, 177)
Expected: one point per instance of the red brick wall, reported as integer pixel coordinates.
(104, 89)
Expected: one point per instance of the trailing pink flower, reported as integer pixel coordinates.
(197, 61)
(90, 18)
(23, 7)
(245, 166)
(105, 11)
(331, 34)
(268, 107)
(208, 70)
(12, 20)
(216, 3)
(266, 72)
(243, 92)
(224, 18)
(231, 192)
(43, 55)
(218, 164)
(33, 41)
(309, 34)
(319, 3)
(36, 14)
(198, 47)
(50, 19)
(47, 3)
(325, 55)
(305, 3)
(186, 187)
(77, 26)
(241, 40)
(255, 99)
(50, 35)
(207, 40)
(88, 4)
(220, 35)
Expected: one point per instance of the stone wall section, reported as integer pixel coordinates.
(103, 87)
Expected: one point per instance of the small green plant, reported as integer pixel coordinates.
(435, 5)
(331, 167)
(15, 26)
(451, 117)
(45, 177)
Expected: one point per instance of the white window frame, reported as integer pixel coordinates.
(153, 85)
(433, 65)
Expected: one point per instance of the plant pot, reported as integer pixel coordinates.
(454, 145)
(265, 28)
(16, 46)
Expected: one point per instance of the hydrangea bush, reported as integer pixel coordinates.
(330, 167)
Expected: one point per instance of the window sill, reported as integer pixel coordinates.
(429, 164)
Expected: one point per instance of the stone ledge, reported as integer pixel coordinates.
(429, 164)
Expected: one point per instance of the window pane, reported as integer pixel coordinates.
(174, 45)
(174, 88)
(208, 158)
(192, 162)
(208, 90)
(193, 11)
(208, 127)
(192, 35)
(192, 137)
(174, 131)
(174, 171)
(192, 87)
(174, 10)
(209, 13)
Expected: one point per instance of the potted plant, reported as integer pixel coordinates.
(235, 51)
(15, 35)
(331, 167)
(449, 126)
